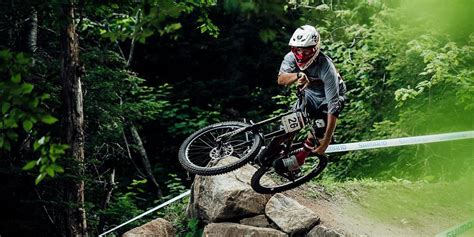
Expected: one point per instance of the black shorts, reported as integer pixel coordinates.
(320, 116)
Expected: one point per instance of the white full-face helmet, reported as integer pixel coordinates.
(305, 44)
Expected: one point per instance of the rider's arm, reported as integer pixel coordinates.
(331, 88)
(286, 79)
(288, 71)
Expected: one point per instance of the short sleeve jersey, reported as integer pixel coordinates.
(326, 87)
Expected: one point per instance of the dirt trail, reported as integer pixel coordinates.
(348, 212)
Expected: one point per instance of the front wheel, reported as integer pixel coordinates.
(267, 181)
(200, 153)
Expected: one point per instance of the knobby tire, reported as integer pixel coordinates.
(190, 166)
(256, 178)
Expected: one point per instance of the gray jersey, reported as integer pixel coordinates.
(326, 85)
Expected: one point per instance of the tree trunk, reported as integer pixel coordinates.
(132, 44)
(109, 188)
(129, 154)
(133, 129)
(73, 125)
(33, 32)
(145, 160)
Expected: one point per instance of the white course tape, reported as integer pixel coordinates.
(149, 211)
(400, 141)
(457, 230)
(340, 148)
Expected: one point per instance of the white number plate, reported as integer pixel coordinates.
(292, 122)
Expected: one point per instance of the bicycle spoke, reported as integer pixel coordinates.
(205, 142)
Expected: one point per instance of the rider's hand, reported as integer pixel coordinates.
(323, 145)
(302, 80)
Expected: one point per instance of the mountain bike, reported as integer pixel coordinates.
(201, 152)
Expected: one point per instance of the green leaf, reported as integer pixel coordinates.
(6, 145)
(39, 178)
(36, 145)
(5, 107)
(27, 125)
(16, 78)
(30, 165)
(48, 119)
(26, 88)
(50, 171)
(41, 140)
(45, 96)
(57, 168)
(34, 103)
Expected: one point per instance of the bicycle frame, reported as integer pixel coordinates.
(276, 137)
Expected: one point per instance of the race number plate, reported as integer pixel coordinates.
(292, 122)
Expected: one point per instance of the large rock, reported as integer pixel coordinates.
(322, 231)
(289, 215)
(226, 197)
(158, 227)
(257, 221)
(238, 230)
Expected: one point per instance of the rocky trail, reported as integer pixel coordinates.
(227, 206)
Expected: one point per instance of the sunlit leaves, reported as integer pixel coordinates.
(16, 78)
(162, 16)
(27, 125)
(49, 154)
(208, 26)
(21, 108)
(398, 71)
(48, 119)
(30, 165)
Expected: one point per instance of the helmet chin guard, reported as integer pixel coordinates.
(306, 37)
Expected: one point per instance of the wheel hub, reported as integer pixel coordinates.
(225, 150)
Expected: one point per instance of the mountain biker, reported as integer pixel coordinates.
(323, 87)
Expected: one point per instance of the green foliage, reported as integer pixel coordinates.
(407, 64)
(21, 111)
(405, 76)
(184, 119)
(193, 228)
(176, 214)
(175, 186)
(160, 16)
(116, 98)
(122, 208)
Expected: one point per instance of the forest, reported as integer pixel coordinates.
(96, 97)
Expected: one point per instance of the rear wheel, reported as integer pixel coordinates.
(200, 153)
(266, 180)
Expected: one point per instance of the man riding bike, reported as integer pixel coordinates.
(323, 88)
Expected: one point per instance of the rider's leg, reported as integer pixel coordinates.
(320, 117)
(295, 161)
(308, 146)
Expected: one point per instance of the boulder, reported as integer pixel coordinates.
(158, 227)
(289, 215)
(226, 197)
(238, 230)
(257, 221)
(322, 231)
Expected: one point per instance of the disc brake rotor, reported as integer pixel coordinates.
(225, 150)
